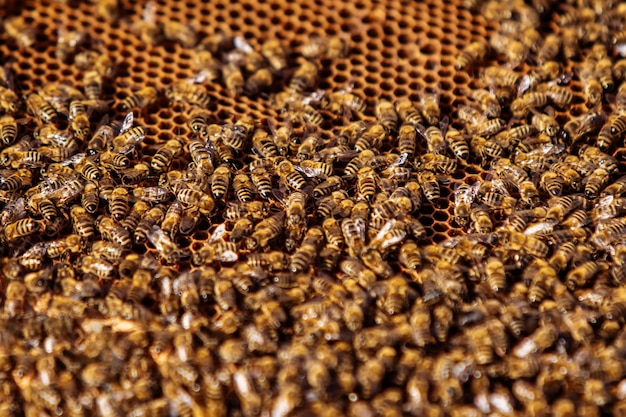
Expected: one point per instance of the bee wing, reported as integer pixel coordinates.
(227, 256)
(524, 85)
(443, 125)
(8, 75)
(241, 44)
(149, 12)
(540, 227)
(218, 233)
(314, 97)
(127, 123)
(158, 238)
(279, 194)
(76, 159)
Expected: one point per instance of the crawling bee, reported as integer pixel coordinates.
(185, 92)
(180, 32)
(470, 55)
(141, 99)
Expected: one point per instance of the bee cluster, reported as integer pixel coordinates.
(292, 264)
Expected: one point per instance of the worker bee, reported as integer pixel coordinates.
(470, 55)
(90, 199)
(114, 160)
(140, 99)
(595, 182)
(168, 250)
(263, 145)
(20, 30)
(243, 188)
(265, 231)
(82, 223)
(137, 212)
(548, 70)
(275, 54)
(366, 183)
(17, 180)
(67, 43)
(481, 220)
(197, 121)
(9, 101)
(184, 92)
(464, 196)
(93, 85)
(372, 138)
(288, 173)
(259, 81)
(522, 105)
(549, 50)
(220, 181)
(233, 79)
(112, 231)
(180, 32)
(430, 186)
(343, 101)
(500, 77)
(386, 115)
(487, 102)
(304, 77)
(40, 108)
(514, 51)
(43, 206)
(307, 147)
(165, 155)
(430, 108)
(331, 47)
(22, 228)
(79, 121)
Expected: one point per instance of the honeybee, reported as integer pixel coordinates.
(20, 30)
(437, 163)
(304, 77)
(343, 101)
(9, 101)
(140, 99)
(163, 158)
(151, 218)
(93, 85)
(307, 147)
(500, 77)
(533, 99)
(180, 32)
(40, 108)
(328, 186)
(331, 47)
(220, 181)
(184, 92)
(549, 50)
(595, 182)
(288, 173)
(43, 206)
(430, 186)
(486, 129)
(82, 223)
(90, 199)
(275, 54)
(114, 160)
(243, 188)
(464, 196)
(261, 80)
(79, 121)
(481, 220)
(168, 250)
(265, 231)
(371, 139)
(470, 55)
(15, 299)
(233, 79)
(514, 50)
(386, 115)
(113, 232)
(17, 180)
(22, 228)
(487, 102)
(548, 70)
(67, 43)
(430, 108)
(306, 253)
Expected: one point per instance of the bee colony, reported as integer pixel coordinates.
(313, 208)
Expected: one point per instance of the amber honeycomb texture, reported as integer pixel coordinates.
(504, 295)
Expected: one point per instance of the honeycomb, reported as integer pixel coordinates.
(177, 295)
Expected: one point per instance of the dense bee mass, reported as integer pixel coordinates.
(312, 208)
